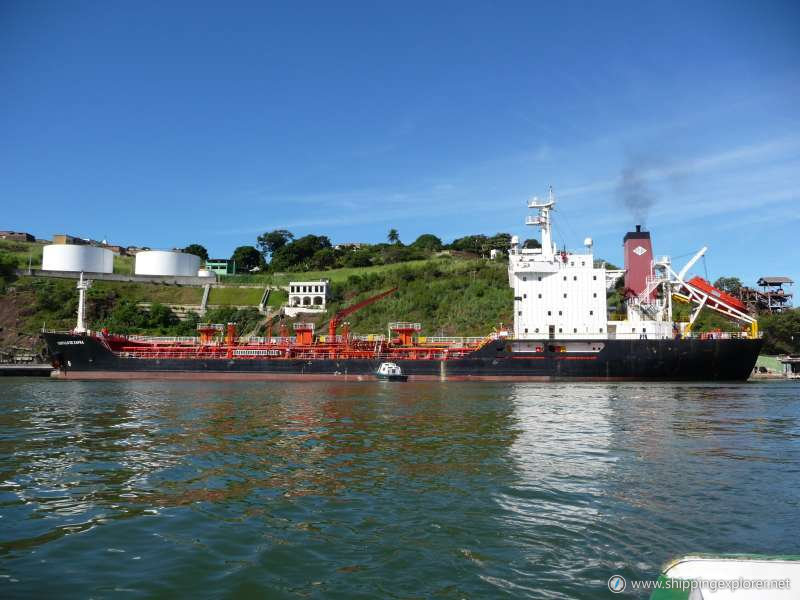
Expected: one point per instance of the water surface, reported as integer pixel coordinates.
(318, 490)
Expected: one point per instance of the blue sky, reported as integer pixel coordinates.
(164, 124)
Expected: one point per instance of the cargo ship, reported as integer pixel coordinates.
(562, 330)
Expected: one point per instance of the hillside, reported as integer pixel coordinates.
(447, 296)
(30, 254)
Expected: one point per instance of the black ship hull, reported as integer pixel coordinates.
(85, 357)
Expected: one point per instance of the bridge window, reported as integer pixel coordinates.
(540, 295)
(519, 313)
(549, 312)
(594, 295)
(591, 312)
(565, 295)
(575, 330)
(574, 278)
(559, 313)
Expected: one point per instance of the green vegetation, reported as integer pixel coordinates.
(281, 252)
(277, 298)
(7, 265)
(247, 258)
(234, 296)
(446, 297)
(197, 250)
(109, 303)
(342, 274)
(22, 253)
(25, 252)
(123, 265)
(781, 332)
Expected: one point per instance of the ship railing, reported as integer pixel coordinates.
(368, 338)
(451, 340)
(164, 340)
(404, 325)
(698, 335)
(719, 335)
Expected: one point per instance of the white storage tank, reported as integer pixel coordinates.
(163, 262)
(68, 257)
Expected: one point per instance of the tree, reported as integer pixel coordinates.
(393, 236)
(272, 241)
(731, 285)
(470, 243)
(781, 332)
(246, 258)
(324, 258)
(499, 241)
(428, 241)
(298, 254)
(7, 265)
(197, 250)
(531, 244)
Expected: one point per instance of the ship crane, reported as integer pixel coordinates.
(702, 294)
(340, 315)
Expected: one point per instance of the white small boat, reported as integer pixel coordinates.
(389, 371)
(728, 577)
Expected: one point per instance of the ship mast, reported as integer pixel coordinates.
(543, 220)
(83, 285)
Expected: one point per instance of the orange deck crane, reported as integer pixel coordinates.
(345, 312)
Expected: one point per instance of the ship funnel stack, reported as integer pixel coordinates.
(638, 262)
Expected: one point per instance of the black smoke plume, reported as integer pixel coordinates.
(634, 190)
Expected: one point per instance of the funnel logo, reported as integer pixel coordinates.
(617, 584)
(638, 251)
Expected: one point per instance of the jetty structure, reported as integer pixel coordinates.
(562, 330)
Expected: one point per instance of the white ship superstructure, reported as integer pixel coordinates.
(559, 294)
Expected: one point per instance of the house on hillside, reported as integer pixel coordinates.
(17, 236)
(221, 266)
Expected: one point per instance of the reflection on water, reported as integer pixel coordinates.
(399, 490)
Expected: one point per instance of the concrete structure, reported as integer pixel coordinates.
(308, 293)
(220, 266)
(166, 263)
(68, 257)
(63, 238)
(194, 280)
(307, 297)
(206, 273)
(17, 236)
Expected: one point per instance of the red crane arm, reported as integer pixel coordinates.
(341, 314)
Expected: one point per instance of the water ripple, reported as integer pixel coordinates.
(408, 491)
